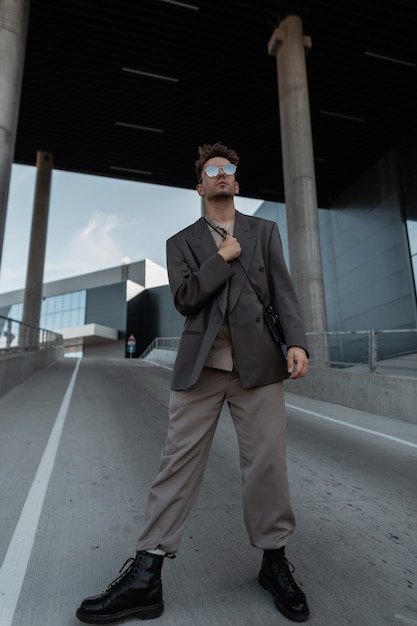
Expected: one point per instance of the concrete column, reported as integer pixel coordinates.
(288, 45)
(34, 277)
(14, 16)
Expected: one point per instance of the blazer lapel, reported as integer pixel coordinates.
(246, 236)
(203, 246)
(201, 242)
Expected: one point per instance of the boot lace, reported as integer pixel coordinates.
(123, 573)
(284, 570)
(290, 566)
(131, 564)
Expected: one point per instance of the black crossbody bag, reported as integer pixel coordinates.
(271, 317)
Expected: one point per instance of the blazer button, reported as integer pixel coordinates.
(258, 319)
(261, 269)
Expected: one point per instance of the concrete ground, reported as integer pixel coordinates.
(79, 446)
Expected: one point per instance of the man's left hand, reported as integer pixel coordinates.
(297, 362)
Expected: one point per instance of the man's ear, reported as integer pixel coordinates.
(236, 188)
(200, 190)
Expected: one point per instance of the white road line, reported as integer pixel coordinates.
(13, 569)
(165, 367)
(365, 430)
(406, 620)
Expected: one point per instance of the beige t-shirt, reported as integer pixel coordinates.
(221, 352)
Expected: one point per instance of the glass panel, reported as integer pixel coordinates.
(412, 235)
(412, 240)
(66, 319)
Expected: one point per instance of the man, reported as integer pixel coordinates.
(222, 270)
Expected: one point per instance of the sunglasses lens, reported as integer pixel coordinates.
(212, 171)
(229, 169)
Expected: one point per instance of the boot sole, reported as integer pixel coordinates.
(147, 612)
(302, 617)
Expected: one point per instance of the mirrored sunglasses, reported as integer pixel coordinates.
(212, 170)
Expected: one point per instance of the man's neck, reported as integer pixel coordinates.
(221, 212)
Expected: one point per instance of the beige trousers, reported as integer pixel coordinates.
(259, 418)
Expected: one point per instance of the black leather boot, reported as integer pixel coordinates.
(276, 576)
(136, 592)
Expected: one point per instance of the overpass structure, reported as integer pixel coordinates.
(130, 89)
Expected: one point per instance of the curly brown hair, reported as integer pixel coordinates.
(209, 151)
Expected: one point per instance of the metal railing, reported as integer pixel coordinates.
(18, 337)
(376, 351)
(373, 350)
(165, 343)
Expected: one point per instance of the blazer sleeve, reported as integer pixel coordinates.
(283, 295)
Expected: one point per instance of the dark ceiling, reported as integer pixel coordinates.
(92, 93)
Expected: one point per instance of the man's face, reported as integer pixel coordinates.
(220, 186)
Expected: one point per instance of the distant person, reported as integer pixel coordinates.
(227, 353)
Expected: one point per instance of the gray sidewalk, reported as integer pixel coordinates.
(353, 485)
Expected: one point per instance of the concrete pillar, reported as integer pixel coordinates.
(14, 15)
(288, 45)
(34, 277)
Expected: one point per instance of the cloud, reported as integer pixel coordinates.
(94, 246)
(97, 245)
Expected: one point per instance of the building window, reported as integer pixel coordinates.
(58, 312)
(16, 312)
(64, 311)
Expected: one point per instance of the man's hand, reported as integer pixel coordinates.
(230, 248)
(297, 362)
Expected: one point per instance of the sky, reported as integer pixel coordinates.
(95, 223)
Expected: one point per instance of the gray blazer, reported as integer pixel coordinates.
(198, 278)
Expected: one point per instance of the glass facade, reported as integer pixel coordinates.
(57, 312)
(64, 311)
